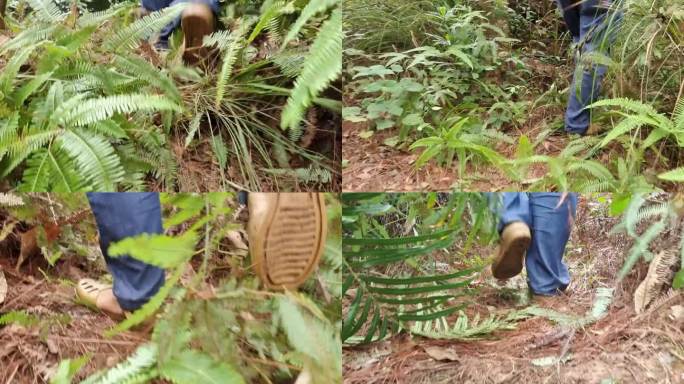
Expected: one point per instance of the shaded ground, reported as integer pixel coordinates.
(67, 330)
(622, 347)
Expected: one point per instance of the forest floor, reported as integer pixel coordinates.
(370, 165)
(67, 330)
(622, 347)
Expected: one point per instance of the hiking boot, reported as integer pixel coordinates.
(197, 21)
(286, 233)
(515, 239)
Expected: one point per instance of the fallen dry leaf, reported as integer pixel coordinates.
(441, 354)
(3, 287)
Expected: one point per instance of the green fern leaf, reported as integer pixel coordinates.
(129, 37)
(311, 9)
(89, 111)
(322, 66)
(160, 250)
(673, 175)
(95, 156)
(47, 11)
(141, 361)
(192, 367)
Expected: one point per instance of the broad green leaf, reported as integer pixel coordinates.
(194, 367)
(160, 250)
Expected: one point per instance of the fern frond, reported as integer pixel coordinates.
(191, 366)
(29, 37)
(322, 66)
(11, 69)
(129, 37)
(627, 104)
(47, 11)
(143, 69)
(95, 156)
(37, 174)
(272, 11)
(311, 9)
(231, 51)
(93, 110)
(139, 363)
(96, 18)
(19, 317)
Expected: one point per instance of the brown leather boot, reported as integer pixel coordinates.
(286, 233)
(515, 239)
(197, 21)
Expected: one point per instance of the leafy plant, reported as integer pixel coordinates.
(413, 293)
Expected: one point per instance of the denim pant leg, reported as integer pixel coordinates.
(156, 5)
(586, 84)
(122, 215)
(515, 207)
(551, 225)
(570, 9)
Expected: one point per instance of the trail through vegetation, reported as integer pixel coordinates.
(471, 95)
(420, 304)
(88, 103)
(212, 322)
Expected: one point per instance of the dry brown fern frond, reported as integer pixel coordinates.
(660, 274)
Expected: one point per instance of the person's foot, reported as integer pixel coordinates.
(197, 21)
(593, 130)
(99, 296)
(515, 239)
(286, 233)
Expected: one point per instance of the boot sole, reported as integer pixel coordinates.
(294, 240)
(509, 261)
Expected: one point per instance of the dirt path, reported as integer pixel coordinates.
(620, 348)
(30, 354)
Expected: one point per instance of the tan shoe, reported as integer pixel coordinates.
(99, 296)
(286, 234)
(594, 130)
(515, 239)
(197, 21)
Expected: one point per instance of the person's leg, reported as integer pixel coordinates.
(570, 9)
(514, 228)
(122, 215)
(165, 33)
(551, 224)
(596, 22)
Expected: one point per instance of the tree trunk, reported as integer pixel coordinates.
(3, 5)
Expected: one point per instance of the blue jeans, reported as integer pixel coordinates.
(591, 24)
(157, 5)
(122, 215)
(550, 227)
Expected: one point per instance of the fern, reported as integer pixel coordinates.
(311, 9)
(94, 155)
(192, 366)
(464, 328)
(139, 363)
(129, 37)
(322, 65)
(47, 11)
(380, 305)
(19, 317)
(85, 112)
(231, 48)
